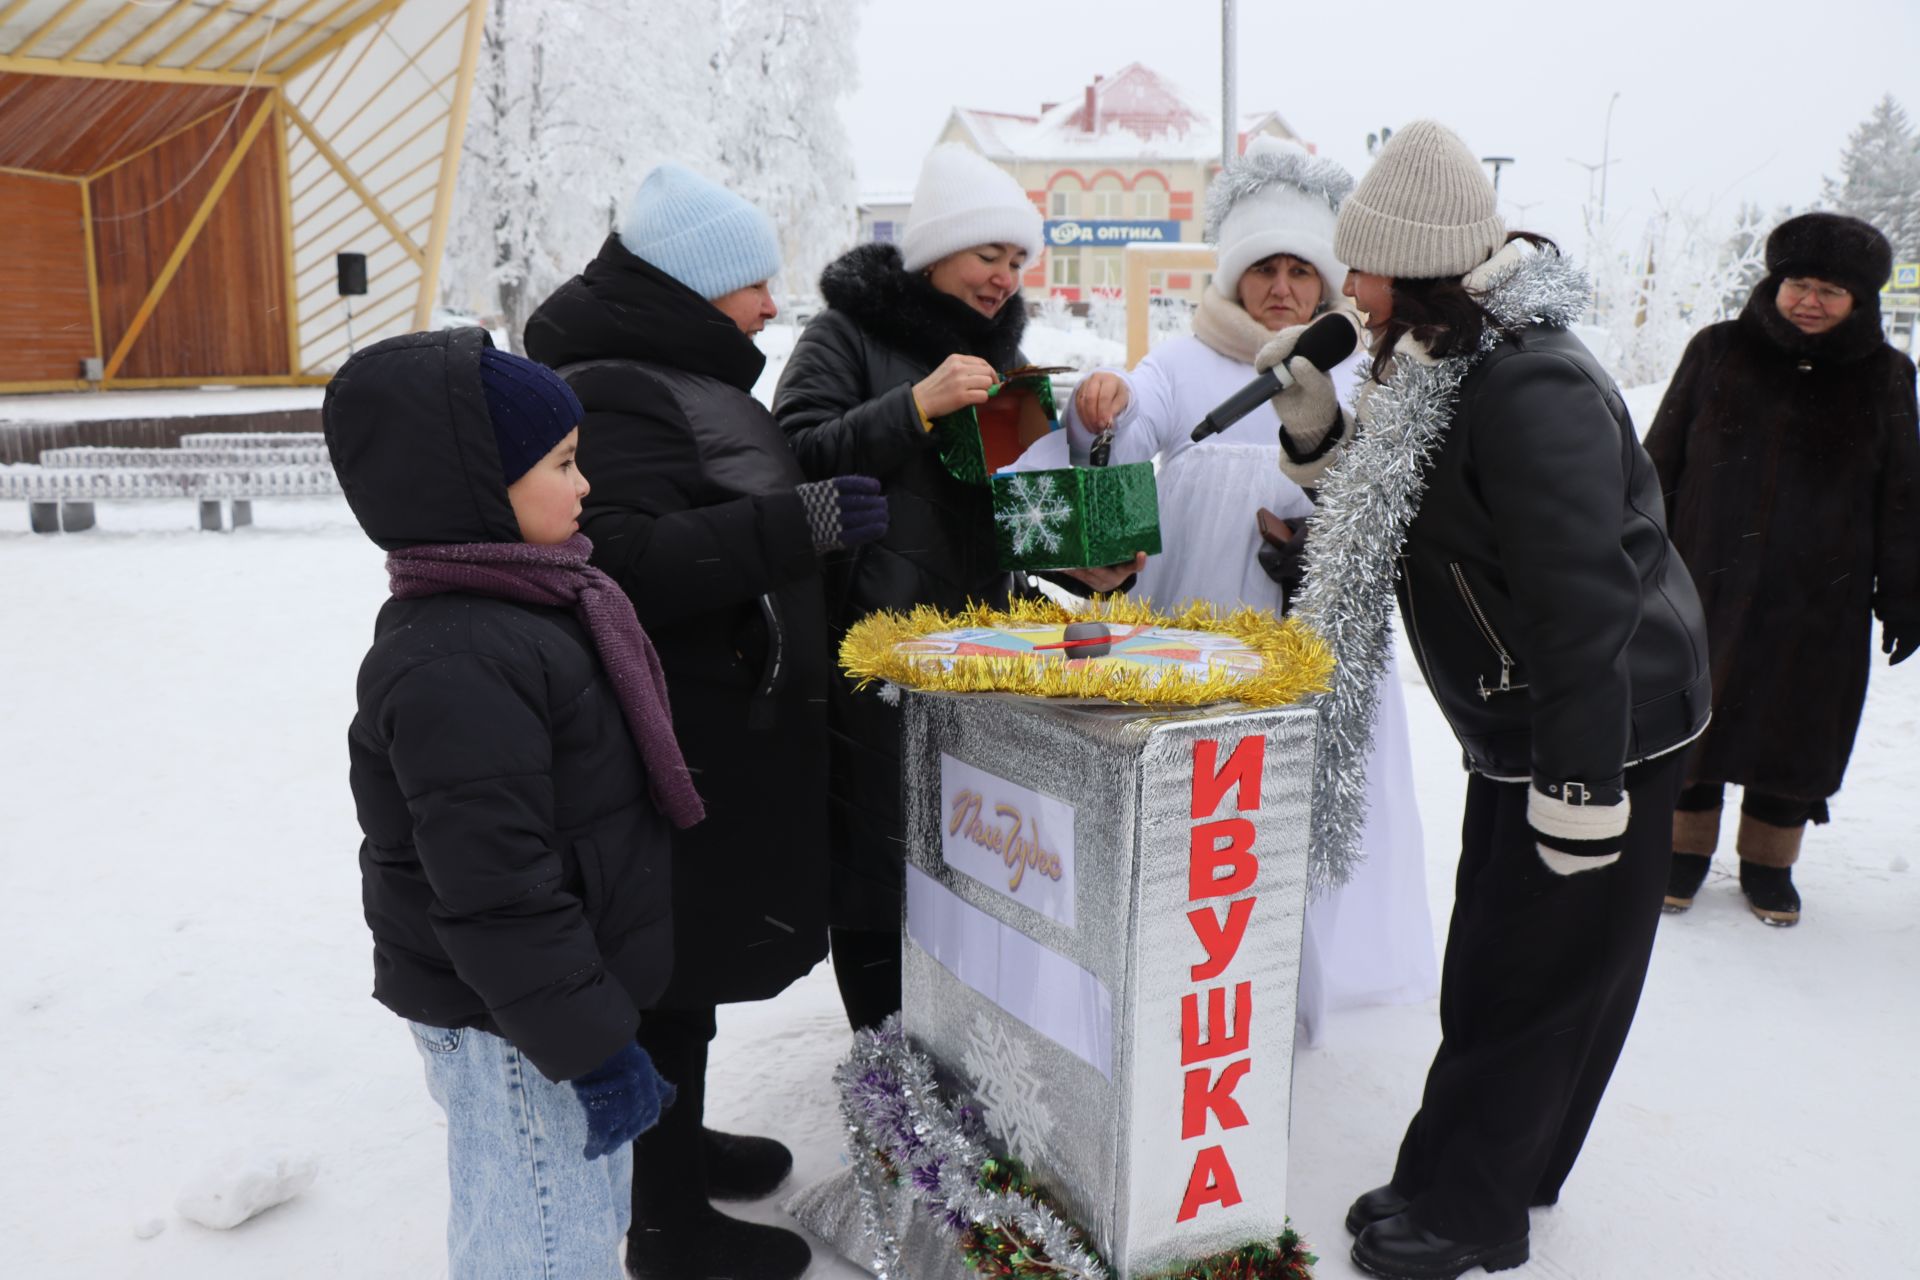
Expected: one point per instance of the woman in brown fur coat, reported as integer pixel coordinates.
(1789, 455)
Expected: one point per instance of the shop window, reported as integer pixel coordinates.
(1150, 205)
(1061, 204)
(1066, 269)
(1108, 273)
(883, 232)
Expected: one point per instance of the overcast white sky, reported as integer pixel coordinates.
(1718, 101)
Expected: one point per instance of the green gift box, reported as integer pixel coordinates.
(975, 443)
(1075, 517)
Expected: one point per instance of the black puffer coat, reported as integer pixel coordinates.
(1553, 620)
(514, 872)
(1791, 467)
(693, 513)
(846, 404)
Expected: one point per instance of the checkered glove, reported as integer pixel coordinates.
(1575, 827)
(843, 512)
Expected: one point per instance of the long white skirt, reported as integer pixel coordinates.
(1371, 940)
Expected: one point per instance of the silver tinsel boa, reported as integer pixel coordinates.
(1367, 501)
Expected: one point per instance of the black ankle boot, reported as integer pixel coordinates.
(743, 1168)
(1381, 1202)
(1398, 1248)
(1770, 893)
(712, 1244)
(1685, 875)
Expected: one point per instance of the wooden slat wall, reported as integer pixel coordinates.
(222, 314)
(46, 327)
(75, 125)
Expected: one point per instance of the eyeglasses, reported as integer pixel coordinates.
(1798, 288)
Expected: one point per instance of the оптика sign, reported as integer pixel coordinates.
(1064, 233)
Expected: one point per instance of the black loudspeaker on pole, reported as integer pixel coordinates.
(352, 271)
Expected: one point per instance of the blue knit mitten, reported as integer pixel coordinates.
(624, 1097)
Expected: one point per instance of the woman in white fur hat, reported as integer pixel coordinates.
(1270, 214)
(911, 332)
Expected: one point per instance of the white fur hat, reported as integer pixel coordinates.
(964, 199)
(1277, 198)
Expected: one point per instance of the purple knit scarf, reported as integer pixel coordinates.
(559, 575)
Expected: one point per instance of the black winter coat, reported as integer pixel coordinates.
(1553, 620)
(693, 512)
(515, 873)
(845, 402)
(1791, 468)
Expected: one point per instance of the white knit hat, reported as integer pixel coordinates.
(1425, 211)
(1277, 198)
(964, 199)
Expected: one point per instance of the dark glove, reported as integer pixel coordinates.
(843, 512)
(623, 1096)
(1899, 637)
(1286, 563)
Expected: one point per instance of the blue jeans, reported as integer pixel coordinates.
(525, 1205)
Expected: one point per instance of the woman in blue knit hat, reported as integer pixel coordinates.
(700, 512)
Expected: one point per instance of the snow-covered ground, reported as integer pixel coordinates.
(184, 402)
(184, 970)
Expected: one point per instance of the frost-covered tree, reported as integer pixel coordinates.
(576, 99)
(1880, 178)
(1685, 270)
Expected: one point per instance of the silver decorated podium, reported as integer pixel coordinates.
(1102, 951)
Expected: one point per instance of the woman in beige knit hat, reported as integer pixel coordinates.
(1491, 473)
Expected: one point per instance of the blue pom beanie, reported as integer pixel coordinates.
(700, 233)
(532, 409)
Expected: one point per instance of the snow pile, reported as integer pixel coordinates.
(234, 1187)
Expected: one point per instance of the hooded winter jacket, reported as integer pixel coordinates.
(514, 871)
(845, 402)
(693, 512)
(1791, 468)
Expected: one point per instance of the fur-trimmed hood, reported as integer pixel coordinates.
(900, 309)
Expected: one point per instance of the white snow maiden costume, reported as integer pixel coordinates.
(1369, 940)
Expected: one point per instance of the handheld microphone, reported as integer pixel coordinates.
(1327, 341)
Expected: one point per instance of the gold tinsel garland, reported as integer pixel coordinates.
(1295, 661)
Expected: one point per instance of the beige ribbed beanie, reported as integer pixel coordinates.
(1424, 211)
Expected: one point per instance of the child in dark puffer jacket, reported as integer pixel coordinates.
(512, 762)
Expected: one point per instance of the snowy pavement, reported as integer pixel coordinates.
(184, 969)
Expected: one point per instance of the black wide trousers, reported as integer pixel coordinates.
(1539, 986)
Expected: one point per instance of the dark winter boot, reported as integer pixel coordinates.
(712, 1244)
(1767, 855)
(1685, 875)
(743, 1168)
(1399, 1248)
(1381, 1202)
(1770, 893)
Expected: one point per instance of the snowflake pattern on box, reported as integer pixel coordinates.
(1009, 1091)
(1035, 514)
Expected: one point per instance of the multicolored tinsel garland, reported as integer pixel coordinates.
(1295, 662)
(899, 1125)
(1367, 500)
(901, 1130)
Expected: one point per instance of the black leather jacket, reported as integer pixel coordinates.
(1555, 623)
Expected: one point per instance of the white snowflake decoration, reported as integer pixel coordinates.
(1001, 1069)
(1034, 513)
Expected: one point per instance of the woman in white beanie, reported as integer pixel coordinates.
(1495, 480)
(1270, 213)
(910, 333)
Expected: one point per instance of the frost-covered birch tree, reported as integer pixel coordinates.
(576, 100)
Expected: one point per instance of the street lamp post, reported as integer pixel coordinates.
(1498, 163)
(1229, 109)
